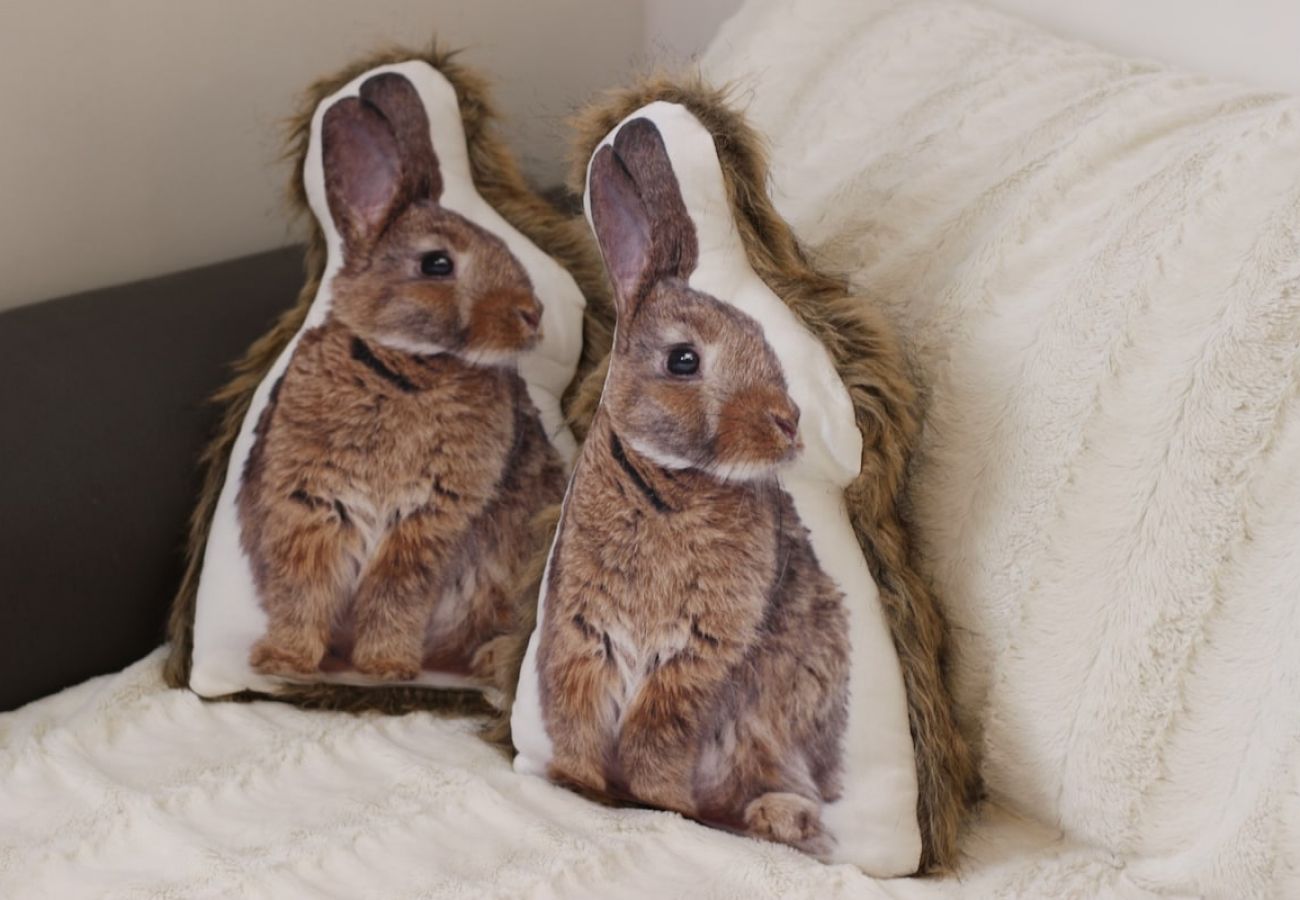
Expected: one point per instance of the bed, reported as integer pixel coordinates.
(1095, 263)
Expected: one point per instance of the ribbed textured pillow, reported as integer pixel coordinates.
(1096, 263)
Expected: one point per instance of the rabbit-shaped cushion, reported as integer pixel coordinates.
(379, 495)
(710, 639)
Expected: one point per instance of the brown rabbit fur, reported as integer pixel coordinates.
(399, 460)
(499, 181)
(694, 656)
(871, 364)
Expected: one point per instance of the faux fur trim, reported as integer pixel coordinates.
(498, 180)
(870, 361)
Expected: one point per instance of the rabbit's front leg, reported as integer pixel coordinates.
(397, 594)
(308, 559)
(487, 628)
(581, 706)
(788, 818)
(659, 743)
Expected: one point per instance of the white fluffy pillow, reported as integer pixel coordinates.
(1097, 265)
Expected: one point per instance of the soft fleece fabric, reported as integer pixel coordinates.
(122, 788)
(1096, 264)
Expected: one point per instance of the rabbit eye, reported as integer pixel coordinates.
(683, 361)
(436, 263)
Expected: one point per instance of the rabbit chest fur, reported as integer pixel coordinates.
(383, 502)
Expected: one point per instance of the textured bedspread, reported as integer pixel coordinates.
(123, 788)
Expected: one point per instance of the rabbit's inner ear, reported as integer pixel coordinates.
(399, 101)
(622, 228)
(674, 248)
(363, 169)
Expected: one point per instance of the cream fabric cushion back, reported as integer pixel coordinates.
(1096, 264)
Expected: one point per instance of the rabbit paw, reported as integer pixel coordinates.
(488, 656)
(284, 660)
(385, 663)
(788, 819)
(581, 775)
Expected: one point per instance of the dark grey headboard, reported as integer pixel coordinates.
(102, 415)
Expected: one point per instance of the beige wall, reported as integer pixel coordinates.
(677, 30)
(141, 136)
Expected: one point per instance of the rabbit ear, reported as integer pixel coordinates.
(641, 222)
(622, 228)
(363, 169)
(399, 101)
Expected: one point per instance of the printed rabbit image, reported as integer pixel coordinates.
(385, 504)
(694, 655)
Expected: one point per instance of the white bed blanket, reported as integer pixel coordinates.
(122, 788)
(1096, 264)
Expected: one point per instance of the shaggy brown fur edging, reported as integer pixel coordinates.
(498, 179)
(870, 361)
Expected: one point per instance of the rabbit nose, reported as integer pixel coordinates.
(787, 421)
